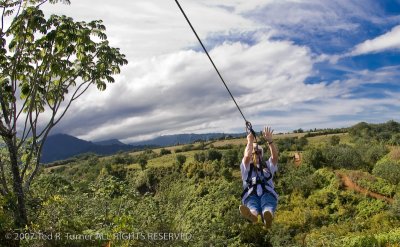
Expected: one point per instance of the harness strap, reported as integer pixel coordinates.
(252, 185)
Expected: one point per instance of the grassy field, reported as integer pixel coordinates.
(322, 139)
(163, 161)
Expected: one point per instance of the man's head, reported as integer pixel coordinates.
(257, 149)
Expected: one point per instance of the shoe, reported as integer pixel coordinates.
(268, 219)
(246, 213)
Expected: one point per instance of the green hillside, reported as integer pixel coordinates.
(344, 192)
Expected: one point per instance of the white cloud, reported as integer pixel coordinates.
(179, 91)
(145, 28)
(387, 41)
(315, 15)
(167, 88)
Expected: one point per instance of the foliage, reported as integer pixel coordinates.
(213, 154)
(298, 179)
(342, 156)
(376, 132)
(200, 156)
(334, 140)
(181, 159)
(46, 64)
(230, 158)
(372, 183)
(314, 157)
(90, 196)
(291, 143)
(143, 162)
(164, 151)
(388, 169)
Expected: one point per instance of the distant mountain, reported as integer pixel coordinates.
(170, 140)
(62, 146)
(110, 142)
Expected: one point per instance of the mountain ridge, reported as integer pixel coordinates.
(64, 146)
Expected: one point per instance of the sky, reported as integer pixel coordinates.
(289, 64)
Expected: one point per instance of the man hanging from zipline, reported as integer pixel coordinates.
(259, 199)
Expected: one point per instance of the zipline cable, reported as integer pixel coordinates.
(248, 124)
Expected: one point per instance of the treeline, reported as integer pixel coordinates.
(319, 132)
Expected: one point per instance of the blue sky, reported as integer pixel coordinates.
(289, 63)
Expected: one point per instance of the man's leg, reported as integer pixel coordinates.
(251, 208)
(268, 205)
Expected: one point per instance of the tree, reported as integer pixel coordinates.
(314, 157)
(45, 65)
(143, 162)
(213, 154)
(388, 169)
(164, 151)
(231, 158)
(181, 159)
(334, 140)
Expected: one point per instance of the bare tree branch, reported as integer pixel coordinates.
(2, 22)
(37, 6)
(19, 8)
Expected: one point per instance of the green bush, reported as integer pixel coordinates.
(375, 153)
(314, 157)
(291, 143)
(142, 162)
(297, 179)
(187, 148)
(372, 183)
(213, 154)
(388, 169)
(164, 151)
(395, 207)
(200, 156)
(343, 156)
(181, 159)
(230, 158)
(369, 207)
(334, 140)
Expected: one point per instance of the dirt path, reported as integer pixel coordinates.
(353, 186)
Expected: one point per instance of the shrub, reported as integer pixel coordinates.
(395, 140)
(369, 207)
(395, 207)
(374, 184)
(230, 158)
(142, 162)
(181, 159)
(187, 148)
(388, 169)
(200, 157)
(227, 173)
(395, 154)
(164, 151)
(298, 179)
(343, 156)
(375, 153)
(334, 140)
(122, 158)
(213, 154)
(314, 157)
(285, 157)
